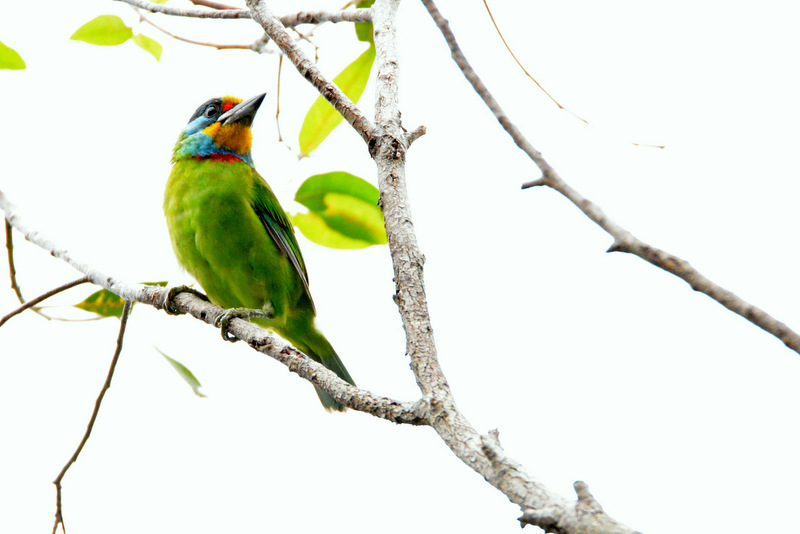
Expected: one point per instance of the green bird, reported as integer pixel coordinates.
(229, 231)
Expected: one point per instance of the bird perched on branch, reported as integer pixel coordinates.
(229, 231)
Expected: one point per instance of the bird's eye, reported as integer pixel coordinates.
(211, 111)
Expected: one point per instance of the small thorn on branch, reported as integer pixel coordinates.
(418, 132)
(546, 518)
(618, 246)
(585, 498)
(535, 183)
(490, 444)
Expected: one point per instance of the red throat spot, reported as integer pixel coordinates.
(228, 158)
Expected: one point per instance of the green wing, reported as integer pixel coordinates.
(280, 229)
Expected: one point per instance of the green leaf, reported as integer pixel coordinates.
(317, 230)
(107, 304)
(311, 191)
(354, 218)
(104, 303)
(10, 58)
(364, 29)
(344, 211)
(322, 118)
(105, 30)
(148, 45)
(185, 373)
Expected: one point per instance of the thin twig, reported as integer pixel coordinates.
(624, 241)
(42, 297)
(278, 99)
(143, 18)
(521, 66)
(212, 5)
(416, 133)
(483, 92)
(126, 310)
(551, 97)
(12, 271)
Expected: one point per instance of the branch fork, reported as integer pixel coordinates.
(388, 142)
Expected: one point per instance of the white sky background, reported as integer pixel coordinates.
(678, 414)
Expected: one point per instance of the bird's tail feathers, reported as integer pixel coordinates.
(317, 347)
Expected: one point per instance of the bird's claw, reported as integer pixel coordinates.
(169, 301)
(241, 313)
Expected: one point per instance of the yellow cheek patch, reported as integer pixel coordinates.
(212, 130)
(234, 137)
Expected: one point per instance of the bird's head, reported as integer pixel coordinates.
(219, 129)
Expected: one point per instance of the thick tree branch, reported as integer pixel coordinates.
(297, 362)
(587, 513)
(277, 32)
(482, 453)
(218, 11)
(388, 148)
(318, 17)
(624, 241)
(189, 12)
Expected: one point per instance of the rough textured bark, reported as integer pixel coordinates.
(388, 143)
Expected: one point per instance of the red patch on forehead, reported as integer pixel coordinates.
(227, 106)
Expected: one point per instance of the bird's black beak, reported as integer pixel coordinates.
(244, 111)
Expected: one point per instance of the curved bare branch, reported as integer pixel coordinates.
(624, 241)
